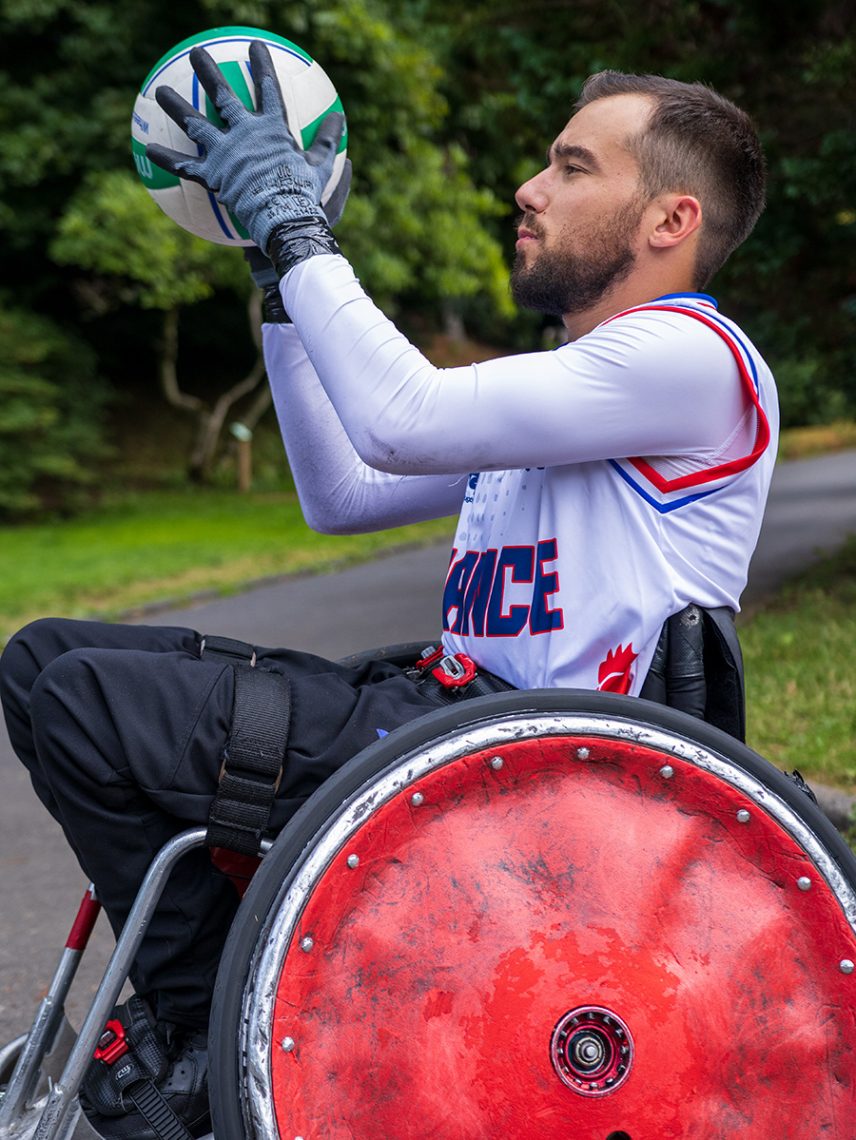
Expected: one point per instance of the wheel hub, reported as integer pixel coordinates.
(591, 1050)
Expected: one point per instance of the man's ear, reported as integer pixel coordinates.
(680, 216)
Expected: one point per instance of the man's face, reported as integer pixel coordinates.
(579, 233)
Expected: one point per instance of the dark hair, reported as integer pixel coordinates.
(696, 142)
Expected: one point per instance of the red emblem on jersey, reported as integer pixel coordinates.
(614, 672)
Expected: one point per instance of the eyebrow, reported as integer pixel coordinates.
(570, 150)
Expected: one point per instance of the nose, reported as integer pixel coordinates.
(532, 195)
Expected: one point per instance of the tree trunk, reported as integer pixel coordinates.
(263, 400)
(211, 423)
(169, 369)
(211, 420)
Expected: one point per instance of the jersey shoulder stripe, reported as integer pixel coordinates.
(669, 494)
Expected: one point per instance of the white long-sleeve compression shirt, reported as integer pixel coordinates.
(338, 492)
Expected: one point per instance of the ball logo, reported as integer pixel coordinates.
(144, 166)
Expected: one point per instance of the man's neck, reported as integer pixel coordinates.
(626, 295)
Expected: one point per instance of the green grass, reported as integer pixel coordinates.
(801, 676)
(166, 546)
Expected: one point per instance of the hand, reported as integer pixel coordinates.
(254, 165)
(261, 267)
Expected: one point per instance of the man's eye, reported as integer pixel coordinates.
(571, 169)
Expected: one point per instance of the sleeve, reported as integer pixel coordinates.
(646, 384)
(338, 492)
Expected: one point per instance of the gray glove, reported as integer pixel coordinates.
(261, 267)
(254, 165)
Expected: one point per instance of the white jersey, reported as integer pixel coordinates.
(601, 487)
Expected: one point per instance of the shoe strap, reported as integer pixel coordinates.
(156, 1112)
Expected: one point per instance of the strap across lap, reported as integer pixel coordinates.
(254, 756)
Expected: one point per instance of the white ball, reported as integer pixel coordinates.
(307, 92)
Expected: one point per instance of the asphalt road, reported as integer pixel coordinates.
(811, 510)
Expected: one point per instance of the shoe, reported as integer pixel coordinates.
(148, 1080)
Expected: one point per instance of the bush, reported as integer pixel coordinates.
(808, 394)
(51, 417)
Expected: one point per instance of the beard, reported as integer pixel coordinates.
(559, 281)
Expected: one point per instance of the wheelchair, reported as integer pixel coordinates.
(530, 915)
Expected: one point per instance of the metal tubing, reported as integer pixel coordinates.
(40, 1040)
(63, 1093)
(25, 1076)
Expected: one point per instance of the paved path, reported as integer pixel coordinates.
(812, 508)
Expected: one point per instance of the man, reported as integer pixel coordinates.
(602, 488)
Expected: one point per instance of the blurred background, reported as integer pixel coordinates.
(127, 348)
(129, 351)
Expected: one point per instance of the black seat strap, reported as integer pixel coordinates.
(254, 756)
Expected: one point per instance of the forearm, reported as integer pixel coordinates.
(338, 492)
(627, 389)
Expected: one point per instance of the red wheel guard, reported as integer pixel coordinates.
(446, 941)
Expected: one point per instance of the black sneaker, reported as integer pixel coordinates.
(148, 1081)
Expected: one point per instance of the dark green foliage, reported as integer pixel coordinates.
(511, 73)
(450, 107)
(51, 404)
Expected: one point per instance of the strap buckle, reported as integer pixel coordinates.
(454, 671)
(112, 1043)
(228, 647)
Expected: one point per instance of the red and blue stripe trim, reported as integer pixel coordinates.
(697, 483)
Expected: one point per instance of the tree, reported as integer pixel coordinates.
(510, 75)
(450, 107)
(418, 228)
(385, 73)
(445, 254)
(113, 229)
(51, 405)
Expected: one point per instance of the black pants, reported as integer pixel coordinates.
(122, 729)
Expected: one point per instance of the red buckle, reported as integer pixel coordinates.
(111, 1044)
(453, 672)
(428, 657)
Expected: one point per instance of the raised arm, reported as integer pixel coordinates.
(623, 390)
(339, 493)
